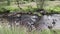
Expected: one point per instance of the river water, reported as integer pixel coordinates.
(34, 21)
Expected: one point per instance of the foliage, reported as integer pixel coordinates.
(55, 9)
(11, 8)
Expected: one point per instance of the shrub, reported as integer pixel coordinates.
(55, 9)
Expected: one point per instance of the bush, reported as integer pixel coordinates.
(15, 8)
(12, 9)
(55, 9)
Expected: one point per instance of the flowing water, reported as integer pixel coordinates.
(33, 21)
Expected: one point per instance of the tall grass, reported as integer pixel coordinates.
(22, 30)
(12, 31)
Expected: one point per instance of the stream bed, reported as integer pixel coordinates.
(33, 21)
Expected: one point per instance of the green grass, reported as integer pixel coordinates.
(12, 31)
(32, 7)
(22, 30)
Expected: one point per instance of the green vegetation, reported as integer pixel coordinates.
(55, 9)
(14, 6)
(27, 6)
(22, 30)
(12, 31)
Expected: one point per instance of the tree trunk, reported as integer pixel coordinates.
(18, 4)
(8, 2)
(40, 3)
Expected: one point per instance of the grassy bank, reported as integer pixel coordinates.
(51, 7)
(55, 9)
(22, 30)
